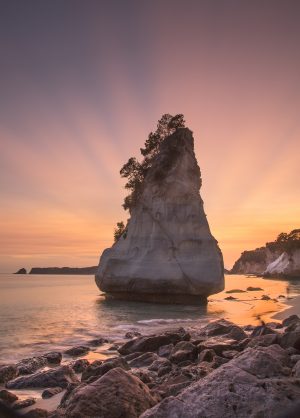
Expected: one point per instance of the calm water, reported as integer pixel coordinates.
(44, 312)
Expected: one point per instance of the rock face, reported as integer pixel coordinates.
(116, 394)
(168, 253)
(285, 265)
(278, 258)
(21, 271)
(253, 384)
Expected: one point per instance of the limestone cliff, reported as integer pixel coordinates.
(278, 258)
(167, 253)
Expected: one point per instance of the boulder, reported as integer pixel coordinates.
(264, 340)
(217, 344)
(7, 397)
(145, 360)
(116, 394)
(79, 365)
(53, 357)
(153, 342)
(224, 328)
(290, 339)
(97, 341)
(7, 372)
(251, 385)
(165, 350)
(262, 330)
(31, 365)
(296, 369)
(292, 319)
(167, 254)
(48, 393)
(59, 376)
(184, 350)
(159, 364)
(98, 369)
(77, 351)
(206, 355)
(24, 403)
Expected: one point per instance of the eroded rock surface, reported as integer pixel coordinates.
(116, 394)
(168, 253)
(253, 384)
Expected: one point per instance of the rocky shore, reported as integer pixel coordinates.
(217, 370)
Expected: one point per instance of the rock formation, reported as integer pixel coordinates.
(21, 271)
(278, 258)
(167, 253)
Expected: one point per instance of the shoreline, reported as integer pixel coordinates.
(166, 364)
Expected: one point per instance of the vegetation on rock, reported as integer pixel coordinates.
(135, 171)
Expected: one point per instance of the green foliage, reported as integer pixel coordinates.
(119, 230)
(135, 171)
(286, 242)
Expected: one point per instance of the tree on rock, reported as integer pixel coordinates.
(135, 171)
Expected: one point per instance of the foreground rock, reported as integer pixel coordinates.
(253, 384)
(7, 372)
(116, 394)
(60, 376)
(167, 253)
(153, 342)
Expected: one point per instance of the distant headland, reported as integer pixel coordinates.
(59, 270)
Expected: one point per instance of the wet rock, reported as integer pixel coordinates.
(235, 291)
(36, 413)
(290, 339)
(274, 325)
(160, 363)
(164, 370)
(230, 354)
(153, 342)
(206, 355)
(97, 341)
(132, 334)
(230, 298)
(66, 396)
(48, 393)
(77, 351)
(31, 365)
(131, 356)
(7, 372)
(224, 327)
(60, 376)
(262, 330)
(292, 319)
(24, 403)
(254, 289)
(7, 397)
(219, 361)
(264, 340)
(53, 357)
(165, 350)
(295, 358)
(146, 359)
(116, 394)
(236, 389)
(144, 375)
(217, 344)
(183, 351)
(79, 365)
(296, 369)
(95, 370)
(264, 362)
(265, 297)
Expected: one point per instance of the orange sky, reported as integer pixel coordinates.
(82, 90)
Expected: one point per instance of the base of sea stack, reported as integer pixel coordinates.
(158, 298)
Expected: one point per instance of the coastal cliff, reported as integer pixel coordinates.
(167, 252)
(278, 258)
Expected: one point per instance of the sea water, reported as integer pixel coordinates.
(41, 313)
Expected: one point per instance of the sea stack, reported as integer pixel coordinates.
(167, 253)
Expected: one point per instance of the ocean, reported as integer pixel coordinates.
(41, 313)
